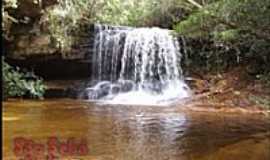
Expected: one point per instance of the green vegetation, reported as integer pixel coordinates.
(226, 32)
(18, 84)
(248, 17)
(242, 26)
(67, 17)
(15, 82)
(219, 34)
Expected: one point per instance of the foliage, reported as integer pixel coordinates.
(122, 12)
(241, 25)
(207, 55)
(249, 16)
(165, 13)
(66, 17)
(18, 84)
(144, 12)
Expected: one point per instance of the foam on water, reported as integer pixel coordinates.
(174, 92)
(136, 66)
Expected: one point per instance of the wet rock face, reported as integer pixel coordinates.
(31, 42)
(27, 45)
(37, 53)
(34, 48)
(28, 36)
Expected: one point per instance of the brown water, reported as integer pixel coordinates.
(138, 132)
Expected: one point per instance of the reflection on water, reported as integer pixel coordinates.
(136, 132)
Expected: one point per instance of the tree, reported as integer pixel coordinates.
(240, 24)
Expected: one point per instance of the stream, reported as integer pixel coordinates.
(131, 132)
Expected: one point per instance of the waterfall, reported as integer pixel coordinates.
(136, 66)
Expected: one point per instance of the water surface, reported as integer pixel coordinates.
(139, 132)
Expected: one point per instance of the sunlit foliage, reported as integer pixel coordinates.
(69, 14)
(17, 83)
(242, 25)
(248, 16)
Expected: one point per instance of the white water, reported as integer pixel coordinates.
(136, 66)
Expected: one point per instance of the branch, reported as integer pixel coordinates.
(195, 3)
(11, 18)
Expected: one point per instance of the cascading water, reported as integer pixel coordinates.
(136, 66)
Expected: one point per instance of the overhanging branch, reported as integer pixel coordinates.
(195, 3)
